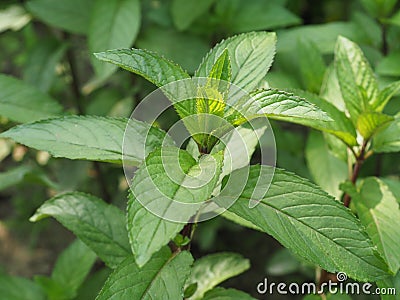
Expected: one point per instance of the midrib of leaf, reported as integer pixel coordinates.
(280, 212)
(158, 273)
(245, 60)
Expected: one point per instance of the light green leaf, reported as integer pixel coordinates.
(222, 70)
(184, 12)
(385, 95)
(226, 294)
(394, 186)
(211, 270)
(251, 56)
(91, 138)
(13, 17)
(174, 178)
(356, 78)
(278, 105)
(99, 225)
(311, 64)
(342, 127)
(162, 277)
(306, 220)
(70, 15)
(368, 123)
(379, 211)
(18, 288)
(113, 24)
(330, 89)
(334, 171)
(73, 265)
(238, 16)
(22, 102)
(149, 65)
(388, 140)
(239, 220)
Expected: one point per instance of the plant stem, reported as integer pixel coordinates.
(75, 87)
(360, 158)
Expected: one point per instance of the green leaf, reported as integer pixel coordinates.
(238, 16)
(181, 47)
(306, 220)
(385, 95)
(73, 265)
(42, 61)
(70, 15)
(92, 286)
(222, 70)
(388, 140)
(226, 294)
(311, 64)
(389, 65)
(278, 105)
(22, 102)
(13, 17)
(13, 176)
(282, 263)
(379, 8)
(334, 171)
(324, 36)
(368, 123)
(379, 211)
(330, 90)
(53, 289)
(162, 277)
(211, 270)
(342, 127)
(113, 24)
(99, 225)
(392, 283)
(18, 288)
(356, 78)
(91, 138)
(174, 178)
(149, 65)
(251, 56)
(184, 12)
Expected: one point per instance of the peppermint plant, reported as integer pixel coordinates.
(357, 233)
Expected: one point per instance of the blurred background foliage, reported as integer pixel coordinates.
(48, 44)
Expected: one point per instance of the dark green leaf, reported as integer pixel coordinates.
(70, 15)
(184, 12)
(99, 225)
(162, 277)
(306, 220)
(21, 102)
(73, 265)
(91, 138)
(113, 24)
(226, 294)
(18, 288)
(211, 270)
(174, 179)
